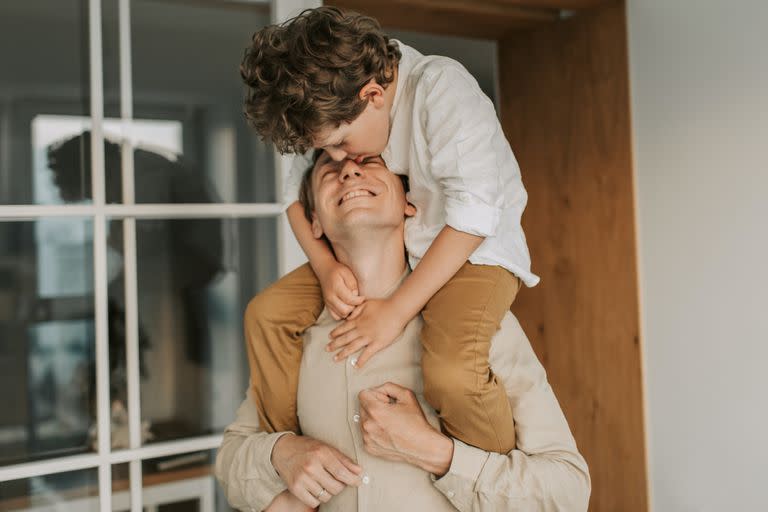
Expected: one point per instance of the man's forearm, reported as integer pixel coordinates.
(436, 455)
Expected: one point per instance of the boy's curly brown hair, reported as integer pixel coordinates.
(305, 74)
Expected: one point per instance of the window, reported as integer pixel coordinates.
(138, 215)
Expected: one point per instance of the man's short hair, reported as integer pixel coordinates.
(305, 74)
(307, 193)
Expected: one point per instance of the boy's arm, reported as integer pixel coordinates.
(375, 324)
(450, 250)
(337, 281)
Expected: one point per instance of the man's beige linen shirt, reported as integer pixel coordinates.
(545, 472)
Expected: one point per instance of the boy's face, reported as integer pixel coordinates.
(364, 137)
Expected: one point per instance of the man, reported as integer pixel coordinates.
(375, 415)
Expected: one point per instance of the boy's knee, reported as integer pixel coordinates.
(260, 309)
(445, 379)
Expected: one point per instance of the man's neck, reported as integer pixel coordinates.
(377, 260)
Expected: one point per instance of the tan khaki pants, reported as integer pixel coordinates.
(459, 322)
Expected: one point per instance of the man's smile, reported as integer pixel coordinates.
(352, 194)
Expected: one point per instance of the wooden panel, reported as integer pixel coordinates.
(565, 110)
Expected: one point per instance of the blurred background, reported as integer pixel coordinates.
(139, 214)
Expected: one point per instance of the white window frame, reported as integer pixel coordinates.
(288, 252)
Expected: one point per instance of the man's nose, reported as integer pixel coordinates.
(350, 169)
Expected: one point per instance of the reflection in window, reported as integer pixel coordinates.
(46, 339)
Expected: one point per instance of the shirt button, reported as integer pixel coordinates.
(366, 480)
(353, 361)
(450, 494)
(356, 418)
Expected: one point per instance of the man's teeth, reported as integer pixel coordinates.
(355, 193)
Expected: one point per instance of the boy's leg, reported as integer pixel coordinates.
(459, 322)
(275, 321)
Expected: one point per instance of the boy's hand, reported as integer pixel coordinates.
(339, 290)
(374, 325)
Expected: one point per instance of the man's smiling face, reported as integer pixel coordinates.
(350, 195)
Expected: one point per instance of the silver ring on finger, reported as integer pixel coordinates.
(322, 493)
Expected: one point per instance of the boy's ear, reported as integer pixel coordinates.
(373, 92)
(410, 210)
(317, 229)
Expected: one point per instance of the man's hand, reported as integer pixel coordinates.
(287, 502)
(313, 471)
(374, 325)
(395, 428)
(339, 287)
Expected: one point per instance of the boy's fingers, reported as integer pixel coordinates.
(355, 313)
(348, 278)
(341, 341)
(350, 297)
(368, 353)
(350, 349)
(342, 309)
(342, 329)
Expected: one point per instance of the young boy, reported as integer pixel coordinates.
(333, 80)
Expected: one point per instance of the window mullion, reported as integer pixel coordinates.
(130, 270)
(100, 255)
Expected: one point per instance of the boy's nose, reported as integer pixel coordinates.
(350, 169)
(336, 154)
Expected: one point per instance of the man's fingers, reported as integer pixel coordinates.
(334, 314)
(351, 348)
(396, 391)
(350, 465)
(340, 472)
(307, 497)
(342, 329)
(331, 485)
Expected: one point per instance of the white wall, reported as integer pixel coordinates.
(699, 79)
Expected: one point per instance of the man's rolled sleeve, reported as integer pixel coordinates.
(244, 462)
(458, 483)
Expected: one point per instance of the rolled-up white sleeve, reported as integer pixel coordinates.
(545, 471)
(459, 121)
(299, 164)
(243, 463)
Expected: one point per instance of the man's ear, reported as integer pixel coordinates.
(317, 229)
(410, 210)
(373, 93)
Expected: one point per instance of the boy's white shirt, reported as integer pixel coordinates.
(445, 136)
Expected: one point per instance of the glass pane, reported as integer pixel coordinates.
(46, 97)
(74, 490)
(46, 339)
(193, 142)
(183, 483)
(195, 277)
